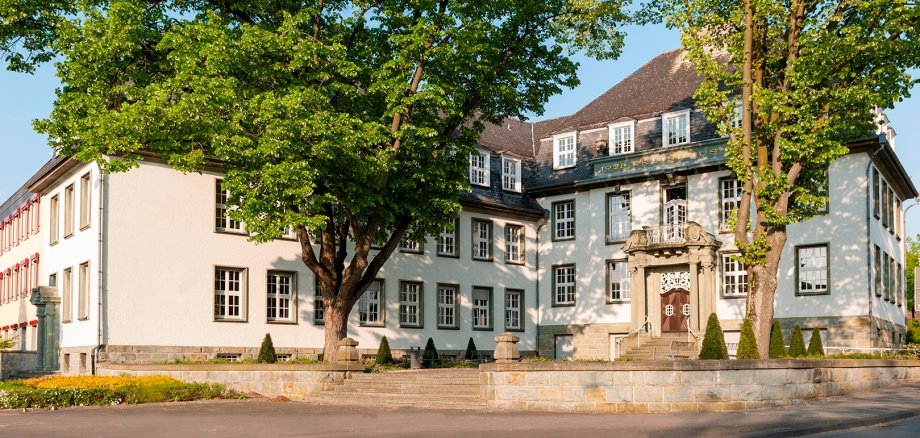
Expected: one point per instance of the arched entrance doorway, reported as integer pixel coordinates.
(675, 310)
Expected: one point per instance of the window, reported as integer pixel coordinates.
(36, 215)
(876, 189)
(621, 138)
(513, 307)
(318, 309)
(370, 305)
(811, 262)
(280, 295)
(482, 240)
(675, 128)
(889, 279)
(891, 211)
(482, 308)
(66, 296)
(735, 121)
(898, 218)
(448, 305)
(730, 200)
(618, 217)
(734, 277)
(618, 284)
(68, 211)
(899, 285)
(885, 207)
(564, 220)
(564, 152)
(511, 174)
(224, 223)
(447, 240)
(410, 245)
(877, 271)
(228, 294)
(85, 192)
(410, 304)
(514, 244)
(564, 285)
(83, 303)
(479, 169)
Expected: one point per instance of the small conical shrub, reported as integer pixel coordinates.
(267, 352)
(430, 355)
(713, 341)
(815, 347)
(471, 350)
(797, 342)
(747, 345)
(384, 355)
(777, 342)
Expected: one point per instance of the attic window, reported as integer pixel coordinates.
(621, 138)
(511, 174)
(564, 152)
(479, 169)
(675, 128)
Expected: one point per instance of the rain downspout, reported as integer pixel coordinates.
(101, 262)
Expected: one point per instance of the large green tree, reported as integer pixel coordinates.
(349, 122)
(807, 75)
(913, 260)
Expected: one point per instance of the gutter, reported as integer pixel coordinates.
(101, 337)
(881, 146)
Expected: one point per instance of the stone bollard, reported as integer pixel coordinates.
(506, 350)
(347, 352)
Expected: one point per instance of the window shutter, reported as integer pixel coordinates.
(520, 176)
(487, 161)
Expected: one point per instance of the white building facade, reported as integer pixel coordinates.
(577, 231)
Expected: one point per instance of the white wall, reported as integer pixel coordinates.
(19, 310)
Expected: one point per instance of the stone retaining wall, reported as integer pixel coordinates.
(16, 362)
(683, 386)
(290, 380)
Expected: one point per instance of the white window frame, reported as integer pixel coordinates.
(410, 304)
(370, 305)
(447, 240)
(734, 276)
(666, 130)
(619, 284)
(221, 207)
(319, 312)
(728, 204)
(619, 220)
(564, 281)
(85, 200)
(410, 246)
(622, 138)
(514, 244)
(448, 305)
(812, 265)
(735, 121)
(482, 245)
(514, 305)
(565, 151)
(66, 295)
(281, 296)
(482, 308)
(82, 292)
(224, 293)
(564, 220)
(68, 211)
(511, 174)
(479, 168)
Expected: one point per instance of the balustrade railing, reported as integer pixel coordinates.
(670, 233)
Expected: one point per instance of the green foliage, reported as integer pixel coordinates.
(430, 355)
(713, 341)
(913, 331)
(471, 351)
(913, 260)
(777, 342)
(747, 345)
(384, 356)
(815, 347)
(797, 342)
(15, 395)
(267, 351)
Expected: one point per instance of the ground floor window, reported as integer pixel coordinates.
(228, 294)
(513, 307)
(370, 305)
(734, 276)
(812, 266)
(564, 285)
(618, 284)
(318, 309)
(410, 308)
(482, 308)
(280, 296)
(447, 306)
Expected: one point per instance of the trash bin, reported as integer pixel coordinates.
(415, 354)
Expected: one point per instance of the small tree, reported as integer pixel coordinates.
(777, 343)
(797, 342)
(267, 352)
(815, 347)
(471, 350)
(430, 355)
(713, 341)
(747, 346)
(383, 352)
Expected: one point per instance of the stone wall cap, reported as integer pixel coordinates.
(507, 337)
(231, 367)
(698, 365)
(348, 342)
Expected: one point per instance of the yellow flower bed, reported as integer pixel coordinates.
(88, 382)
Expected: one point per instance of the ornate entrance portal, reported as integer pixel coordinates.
(675, 310)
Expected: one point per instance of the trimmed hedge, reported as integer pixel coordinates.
(384, 356)
(777, 342)
(471, 350)
(430, 355)
(797, 342)
(747, 345)
(713, 341)
(815, 347)
(267, 352)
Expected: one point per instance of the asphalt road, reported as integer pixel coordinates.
(854, 416)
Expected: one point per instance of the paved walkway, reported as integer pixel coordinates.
(264, 418)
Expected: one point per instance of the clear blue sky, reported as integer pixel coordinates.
(24, 98)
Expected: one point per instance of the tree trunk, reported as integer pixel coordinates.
(335, 320)
(762, 280)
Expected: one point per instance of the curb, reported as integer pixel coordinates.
(836, 427)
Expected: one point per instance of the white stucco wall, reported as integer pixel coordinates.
(18, 309)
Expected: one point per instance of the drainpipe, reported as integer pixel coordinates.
(881, 145)
(540, 224)
(100, 262)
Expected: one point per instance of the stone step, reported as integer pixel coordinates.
(348, 387)
(395, 403)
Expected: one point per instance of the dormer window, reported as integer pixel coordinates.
(511, 174)
(564, 152)
(479, 169)
(735, 121)
(675, 128)
(621, 138)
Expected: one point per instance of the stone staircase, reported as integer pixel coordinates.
(429, 389)
(657, 348)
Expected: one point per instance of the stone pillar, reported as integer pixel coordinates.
(696, 311)
(46, 302)
(639, 297)
(506, 350)
(347, 353)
